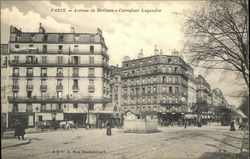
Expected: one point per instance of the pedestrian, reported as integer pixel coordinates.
(185, 123)
(232, 126)
(109, 126)
(19, 130)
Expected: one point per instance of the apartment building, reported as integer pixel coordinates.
(5, 85)
(156, 83)
(192, 88)
(57, 76)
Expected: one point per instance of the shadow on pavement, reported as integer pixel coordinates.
(219, 155)
(224, 155)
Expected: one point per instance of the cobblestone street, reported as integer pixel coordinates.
(170, 142)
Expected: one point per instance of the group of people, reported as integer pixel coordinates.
(19, 130)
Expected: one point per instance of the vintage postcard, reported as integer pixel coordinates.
(124, 79)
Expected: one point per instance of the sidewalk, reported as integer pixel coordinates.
(8, 143)
(245, 146)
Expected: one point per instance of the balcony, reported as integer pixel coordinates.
(59, 87)
(43, 75)
(29, 74)
(51, 110)
(59, 74)
(91, 88)
(15, 87)
(29, 87)
(53, 99)
(43, 87)
(75, 87)
(15, 74)
(75, 74)
(29, 110)
(91, 75)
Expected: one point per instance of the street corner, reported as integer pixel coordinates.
(8, 143)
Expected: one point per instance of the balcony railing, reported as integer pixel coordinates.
(75, 87)
(75, 74)
(15, 87)
(29, 86)
(91, 75)
(51, 110)
(29, 110)
(54, 99)
(15, 74)
(43, 87)
(59, 87)
(97, 63)
(29, 74)
(91, 88)
(59, 74)
(43, 74)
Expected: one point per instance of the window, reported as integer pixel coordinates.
(137, 90)
(75, 83)
(143, 90)
(15, 94)
(91, 49)
(155, 100)
(44, 48)
(15, 82)
(16, 71)
(29, 94)
(125, 91)
(170, 100)
(29, 82)
(137, 81)
(75, 48)
(91, 59)
(43, 106)
(59, 82)
(29, 107)
(176, 70)
(155, 90)
(176, 99)
(59, 94)
(44, 59)
(138, 72)
(75, 105)
(176, 90)
(170, 89)
(155, 69)
(164, 79)
(170, 79)
(59, 71)
(16, 46)
(43, 94)
(91, 72)
(164, 99)
(59, 59)
(169, 60)
(16, 59)
(149, 100)
(133, 72)
(43, 82)
(43, 71)
(149, 89)
(60, 47)
(163, 89)
(149, 80)
(132, 91)
(176, 80)
(155, 79)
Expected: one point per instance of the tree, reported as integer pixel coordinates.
(200, 107)
(217, 36)
(244, 107)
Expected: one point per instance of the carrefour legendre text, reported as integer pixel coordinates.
(102, 10)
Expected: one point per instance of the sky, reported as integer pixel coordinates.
(125, 33)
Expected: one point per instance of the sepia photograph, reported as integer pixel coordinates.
(125, 79)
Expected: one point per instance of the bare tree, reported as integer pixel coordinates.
(217, 36)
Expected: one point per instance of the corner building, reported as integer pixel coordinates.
(57, 76)
(155, 84)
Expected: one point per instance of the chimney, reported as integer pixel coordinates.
(41, 29)
(140, 54)
(72, 30)
(156, 51)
